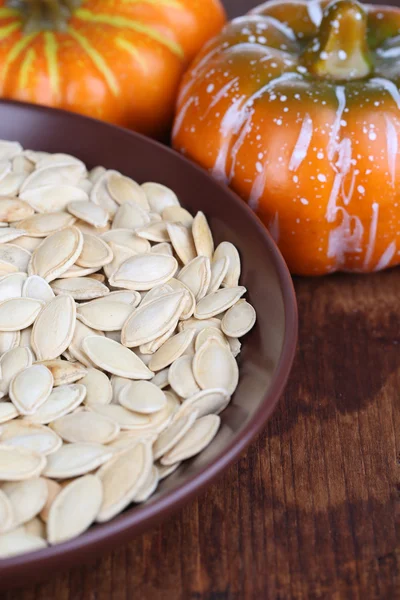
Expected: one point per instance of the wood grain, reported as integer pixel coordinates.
(312, 509)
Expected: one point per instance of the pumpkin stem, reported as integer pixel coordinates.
(39, 15)
(340, 50)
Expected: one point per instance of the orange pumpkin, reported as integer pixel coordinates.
(116, 60)
(297, 108)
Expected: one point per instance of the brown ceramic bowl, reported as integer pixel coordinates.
(267, 352)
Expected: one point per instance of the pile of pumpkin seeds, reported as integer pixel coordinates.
(119, 329)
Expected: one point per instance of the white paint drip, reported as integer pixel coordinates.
(332, 208)
(388, 52)
(181, 115)
(282, 27)
(196, 71)
(392, 147)
(347, 197)
(372, 234)
(302, 144)
(390, 87)
(386, 257)
(315, 12)
(227, 129)
(258, 189)
(273, 227)
(217, 97)
(346, 237)
(333, 142)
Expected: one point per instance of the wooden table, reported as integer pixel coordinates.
(311, 511)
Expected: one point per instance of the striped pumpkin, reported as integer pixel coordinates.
(116, 60)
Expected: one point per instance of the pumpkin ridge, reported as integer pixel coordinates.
(8, 29)
(50, 48)
(15, 51)
(25, 66)
(97, 59)
(132, 50)
(119, 21)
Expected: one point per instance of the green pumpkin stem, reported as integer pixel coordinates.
(340, 49)
(39, 15)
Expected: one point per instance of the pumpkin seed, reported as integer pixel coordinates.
(30, 388)
(7, 412)
(171, 350)
(18, 464)
(228, 250)
(123, 189)
(14, 209)
(36, 527)
(110, 316)
(64, 372)
(11, 363)
(123, 478)
(72, 460)
(62, 400)
(56, 254)
(85, 227)
(16, 256)
(173, 434)
(101, 196)
(218, 302)
(154, 345)
(144, 271)
(148, 487)
(120, 255)
(31, 436)
(53, 489)
(159, 196)
(142, 397)
(7, 268)
(196, 275)
(208, 332)
(64, 521)
(239, 319)
(18, 541)
(9, 149)
(86, 426)
(95, 252)
(199, 436)
(126, 419)
(115, 358)
(148, 322)
(154, 232)
(214, 366)
(190, 304)
(11, 285)
(162, 248)
(127, 439)
(27, 498)
(163, 471)
(202, 236)
(29, 243)
(61, 159)
(130, 216)
(52, 198)
(205, 402)
(177, 214)
(9, 234)
(11, 184)
(59, 317)
(38, 288)
(96, 173)
(124, 296)
(88, 212)
(80, 288)
(76, 271)
(98, 387)
(55, 174)
(181, 378)
(182, 242)
(75, 347)
(9, 340)
(234, 345)
(42, 225)
(127, 238)
(160, 379)
(199, 325)
(6, 513)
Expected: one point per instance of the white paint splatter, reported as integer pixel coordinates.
(333, 143)
(282, 27)
(392, 147)
(274, 227)
(389, 87)
(345, 238)
(181, 115)
(315, 12)
(386, 257)
(303, 143)
(220, 94)
(372, 234)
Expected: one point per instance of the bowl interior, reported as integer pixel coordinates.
(267, 351)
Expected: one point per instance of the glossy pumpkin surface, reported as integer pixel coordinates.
(116, 60)
(297, 107)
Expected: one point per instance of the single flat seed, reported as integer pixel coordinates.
(165, 471)
(177, 214)
(208, 332)
(29, 243)
(30, 388)
(125, 418)
(18, 541)
(100, 195)
(27, 498)
(175, 432)
(98, 387)
(62, 400)
(124, 296)
(196, 275)
(218, 302)
(123, 189)
(148, 487)
(171, 350)
(202, 236)
(9, 150)
(72, 460)
(43, 225)
(7, 268)
(11, 285)
(123, 478)
(95, 252)
(80, 288)
(6, 513)
(115, 358)
(142, 397)
(199, 325)
(75, 348)
(7, 412)
(89, 212)
(53, 489)
(14, 209)
(162, 248)
(205, 402)
(144, 271)
(130, 216)
(181, 378)
(52, 198)
(8, 234)
(31, 436)
(56, 254)
(16, 256)
(36, 527)
(199, 436)
(160, 379)
(9, 340)
(36, 287)
(190, 304)
(76, 271)
(239, 319)
(151, 321)
(234, 345)
(226, 249)
(127, 238)
(107, 316)
(64, 372)
(18, 464)
(18, 313)
(159, 196)
(64, 521)
(219, 269)
(182, 241)
(154, 345)
(154, 232)
(86, 427)
(90, 229)
(11, 363)
(59, 317)
(214, 366)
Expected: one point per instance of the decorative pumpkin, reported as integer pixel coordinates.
(116, 60)
(297, 108)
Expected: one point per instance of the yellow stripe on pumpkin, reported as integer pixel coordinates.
(8, 12)
(26, 64)
(50, 48)
(7, 30)
(133, 51)
(16, 51)
(97, 59)
(131, 24)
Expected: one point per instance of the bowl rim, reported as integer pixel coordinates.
(138, 519)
